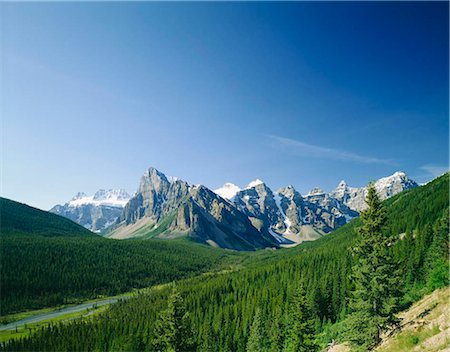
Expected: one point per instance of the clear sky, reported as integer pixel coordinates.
(292, 93)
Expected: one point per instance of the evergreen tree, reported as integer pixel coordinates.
(206, 339)
(300, 331)
(375, 296)
(437, 256)
(275, 332)
(172, 331)
(255, 341)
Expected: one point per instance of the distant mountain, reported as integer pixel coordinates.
(96, 212)
(17, 218)
(169, 209)
(286, 214)
(386, 187)
(230, 217)
(228, 190)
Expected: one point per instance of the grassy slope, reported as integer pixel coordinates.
(18, 218)
(425, 326)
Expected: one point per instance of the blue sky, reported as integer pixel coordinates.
(292, 93)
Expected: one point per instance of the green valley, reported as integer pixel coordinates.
(222, 305)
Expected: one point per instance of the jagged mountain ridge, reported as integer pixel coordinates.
(230, 217)
(168, 209)
(288, 214)
(386, 187)
(96, 212)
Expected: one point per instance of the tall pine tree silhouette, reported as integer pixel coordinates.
(172, 331)
(375, 295)
(300, 330)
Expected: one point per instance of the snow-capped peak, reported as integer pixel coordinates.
(315, 191)
(79, 195)
(390, 185)
(342, 185)
(112, 197)
(173, 179)
(254, 183)
(397, 177)
(228, 190)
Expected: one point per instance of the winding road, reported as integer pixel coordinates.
(58, 312)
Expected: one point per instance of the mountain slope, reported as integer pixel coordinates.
(169, 209)
(425, 326)
(289, 216)
(18, 218)
(386, 187)
(96, 212)
(222, 306)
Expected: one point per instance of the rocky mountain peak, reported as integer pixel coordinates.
(117, 194)
(228, 190)
(153, 180)
(288, 191)
(315, 191)
(79, 195)
(342, 185)
(96, 212)
(254, 183)
(391, 185)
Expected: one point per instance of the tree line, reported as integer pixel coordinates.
(340, 287)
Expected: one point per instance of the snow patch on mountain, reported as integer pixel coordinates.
(254, 183)
(228, 190)
(286, 220)
(315, 191)
(113, 197)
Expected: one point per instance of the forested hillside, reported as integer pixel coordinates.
(17, 218)
(42, 271)
(259, 308)
(48, 260)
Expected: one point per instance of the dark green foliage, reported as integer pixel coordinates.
(222, 307)
(18, 218)
(300, 329)
(436, 259)
(172, 330)
(375, 296)
(41, 271)
(256, 338)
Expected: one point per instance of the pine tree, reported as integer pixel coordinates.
(255, 341)
(436, 263)
(206, 339)
(375, 295)
(172, 330)
(300, 331)
(275, 332)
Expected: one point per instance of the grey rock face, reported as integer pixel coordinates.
(258, 202)
(96, 212)
(292, 208)
(354, 198)
(156, 196)
(230, 217)
(286, 211)
(175, 208)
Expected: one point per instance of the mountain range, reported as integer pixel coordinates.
(96, 212)
(295, 217)
(229, 217)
